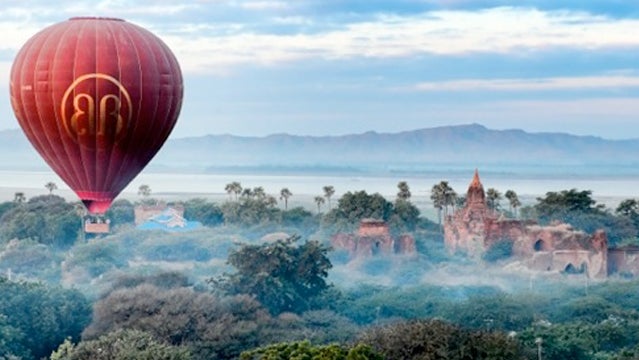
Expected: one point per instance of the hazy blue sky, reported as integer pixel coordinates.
(326, 67)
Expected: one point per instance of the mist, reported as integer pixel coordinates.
(201, 291)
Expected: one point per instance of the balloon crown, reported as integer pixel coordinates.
(95, 18)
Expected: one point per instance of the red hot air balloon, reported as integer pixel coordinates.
(97, 98)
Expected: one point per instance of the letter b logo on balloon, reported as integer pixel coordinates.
(96, 110)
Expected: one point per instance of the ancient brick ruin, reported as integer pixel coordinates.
(473, 229)
(373, 238)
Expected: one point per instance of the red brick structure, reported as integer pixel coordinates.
(475, 228)
(624, 261)
(373, 238)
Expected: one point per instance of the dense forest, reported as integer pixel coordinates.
(230, 290)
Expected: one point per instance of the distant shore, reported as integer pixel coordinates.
(171, 186)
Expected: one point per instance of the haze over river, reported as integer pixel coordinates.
(608, 189)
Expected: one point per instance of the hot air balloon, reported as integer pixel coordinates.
(97, 98)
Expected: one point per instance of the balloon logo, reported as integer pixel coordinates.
(87, 120)
(97, 98)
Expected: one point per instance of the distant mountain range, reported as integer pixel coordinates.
(443, 148)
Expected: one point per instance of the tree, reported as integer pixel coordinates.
(628, 208)
(282, 275)
(206, 212)
(285, 193)
(51, 186)
(258, 192)
(213, 327)
(405, 216)
(404, 191)
(443, 196)
(319, 201)
(254, 207)
(556, 205)
(122, 344)
(121, 212)
(355, 206)
(234, 188)
(329, 191)
(40, 317)
(492, 199)
(19, 197)
(144, 191)
(247, 193)
(513, 201)
(435, 339)
(304, 350)
(47, 219)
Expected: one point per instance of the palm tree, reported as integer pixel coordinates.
(513, 201)
(259, 192)
(51, 186)
(144, 190)
(437, 196)
(247, 193)
(443, 196)
(628, 208)
(329, 191)
(285, 193)
(450, 197)
(233, 188)
(492, 198)
(319, 200)
(270, 201)
(404, 191)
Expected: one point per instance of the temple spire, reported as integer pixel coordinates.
(475, 194)
(476, 182)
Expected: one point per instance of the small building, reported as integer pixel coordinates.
(144, 212)
(160, 216)
(373, 238)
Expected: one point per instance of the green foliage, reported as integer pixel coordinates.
(120, 213)
(499, 250)
(174, 248)
(207, 213)
(6, 206)
(121, 345)
(353, 207)
(493, 197)
(405, 217)
(11, 341)
(162, 280)
(500, 311)
(579, 209)
(402, 216)
(557, 204)
(300, 219)
(35, 318)
(305, 350)
(367, 304)
(27, 258)
(48, 219)
(434, 339)
(513, 201)
(403, 192)
(96, 257)
(212, 327)
(251, 210)
(283, 276)
(442, 196)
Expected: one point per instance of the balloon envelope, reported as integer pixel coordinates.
(97, 98)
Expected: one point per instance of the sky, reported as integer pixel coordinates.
(333, 67)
